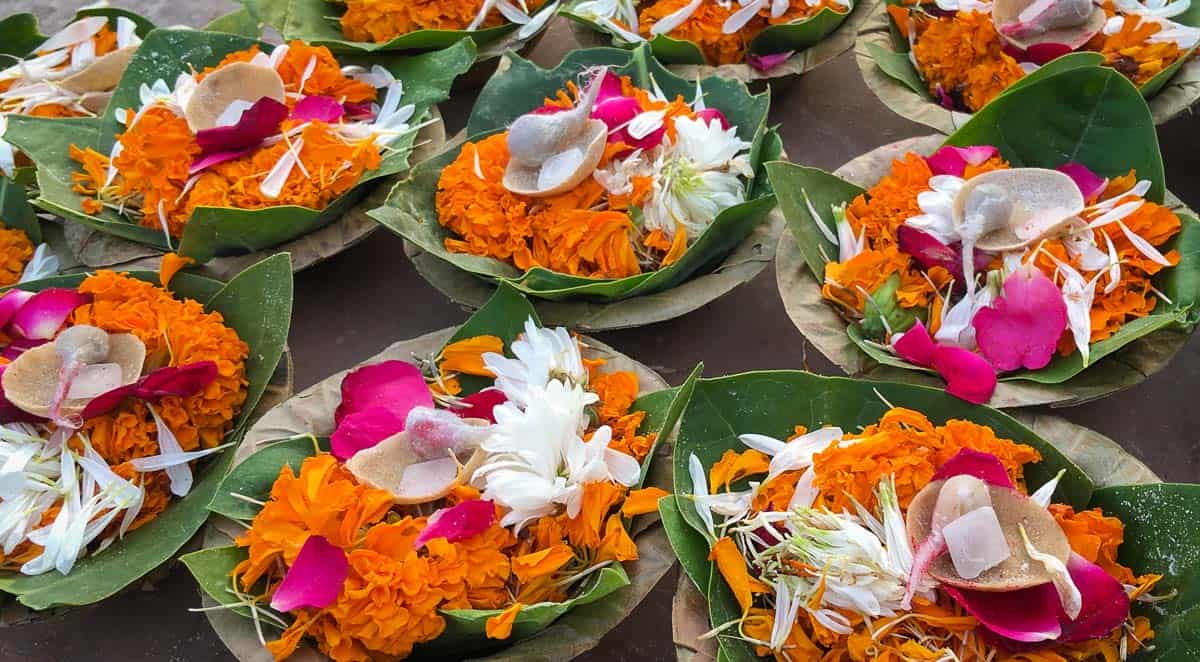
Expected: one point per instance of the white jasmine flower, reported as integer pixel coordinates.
(542, 355)
(607, 12)
(699, 176)
(937, 205)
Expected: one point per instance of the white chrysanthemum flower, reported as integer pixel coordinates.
(537, 460)
(698, 177)
(541, 355)
(937, 207)
(607, 12)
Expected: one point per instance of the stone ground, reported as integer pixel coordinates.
(54, 15)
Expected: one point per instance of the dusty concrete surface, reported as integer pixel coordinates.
(54, 14)
(351, 307)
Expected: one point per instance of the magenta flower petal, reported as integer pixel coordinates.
(45, 312)
(364, 429)
(11, 302)
(915, 346)
(970, 462)
(481, 404)
(930, 253)
(216, 158)
(1022, 328)
(968, 375)
(709, 114)
(324, 109)
(616, 112)
(1090, 184)
(257, 123)
(358, 111)
(950, 160)
(1028, 615)
(182, 381)
(465, 520)
(610, 87)
(394, 385)
(19, 346)
(10, 413)
(1042, 53)
(1105, 603)
(930, 549)
(765, 63)
(945, 100)
(315, 579)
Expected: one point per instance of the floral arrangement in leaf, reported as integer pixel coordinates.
(617, 179)
(216, 144)
(71, 73)
(467, 500)
(371, 26)
(897, 520)
(24, 256)
(120, 394)
(762, 35)
(911, 59)
(1025, 260)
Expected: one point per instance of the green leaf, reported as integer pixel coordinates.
(898, 66)
(803, 190)
(1104, 124)
(265, 287)
(691, 547)
(502, 316)
(663, 409)
(465, 628)
(411, 208)
(212, 569)
(1157, 540)
(774, 402)
(317, 22)
(214, 231)
(723, 608)
(19, 35)
(16, 212)
(883, 314)
(241, 22)
(255, 476)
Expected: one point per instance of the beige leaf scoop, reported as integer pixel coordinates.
(1027, 23)
(1005, 210)
(399, 466)
(1013, 512)
(82, 363)
(239, 81)
(552, 153)
(103, 75)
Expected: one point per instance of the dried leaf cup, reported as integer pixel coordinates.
(1091, 471)
(1107, 127)
(781, 49)
(319, 22)
(211, 232)
(256, 304)
(737, 235)
(305, 426)
(884, 57)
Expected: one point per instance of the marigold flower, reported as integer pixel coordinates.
(500, 626)
(15, 252)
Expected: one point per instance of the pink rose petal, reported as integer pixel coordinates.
(945, 100)
(967, 374)
(765, 63)
(616, 112)
(216, 158)
(19, 346)
(11, 302)
(1090, 184)
(950, 160)
(436, 433)
(1028, 615)
(395, 385)
(915, 346)
(315, 579)
(364, 429)
(924, 555)
(610, 86)
(709, 114)
(182, 381)
(465, 520)
(481, 404)
(45, 312)
(1105, 603)
(257, 123)
(1038, 54)
(324, 109)
(970, 462)
(358, 111)
(930, 253)
(1022, 328)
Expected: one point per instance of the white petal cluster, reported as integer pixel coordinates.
(607, 13)
(537, 460)
(699, 176)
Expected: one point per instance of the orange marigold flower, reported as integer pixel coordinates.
(733, 568)
(383, 20)
(1094, 536)
(1130, 51)
(616, 545)
(585, 529)
(15, 252)
(734, 466)
(640, 502)
(617, 390)
(964, 56)
(547, 561)
(466, 356)
(906, 445)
